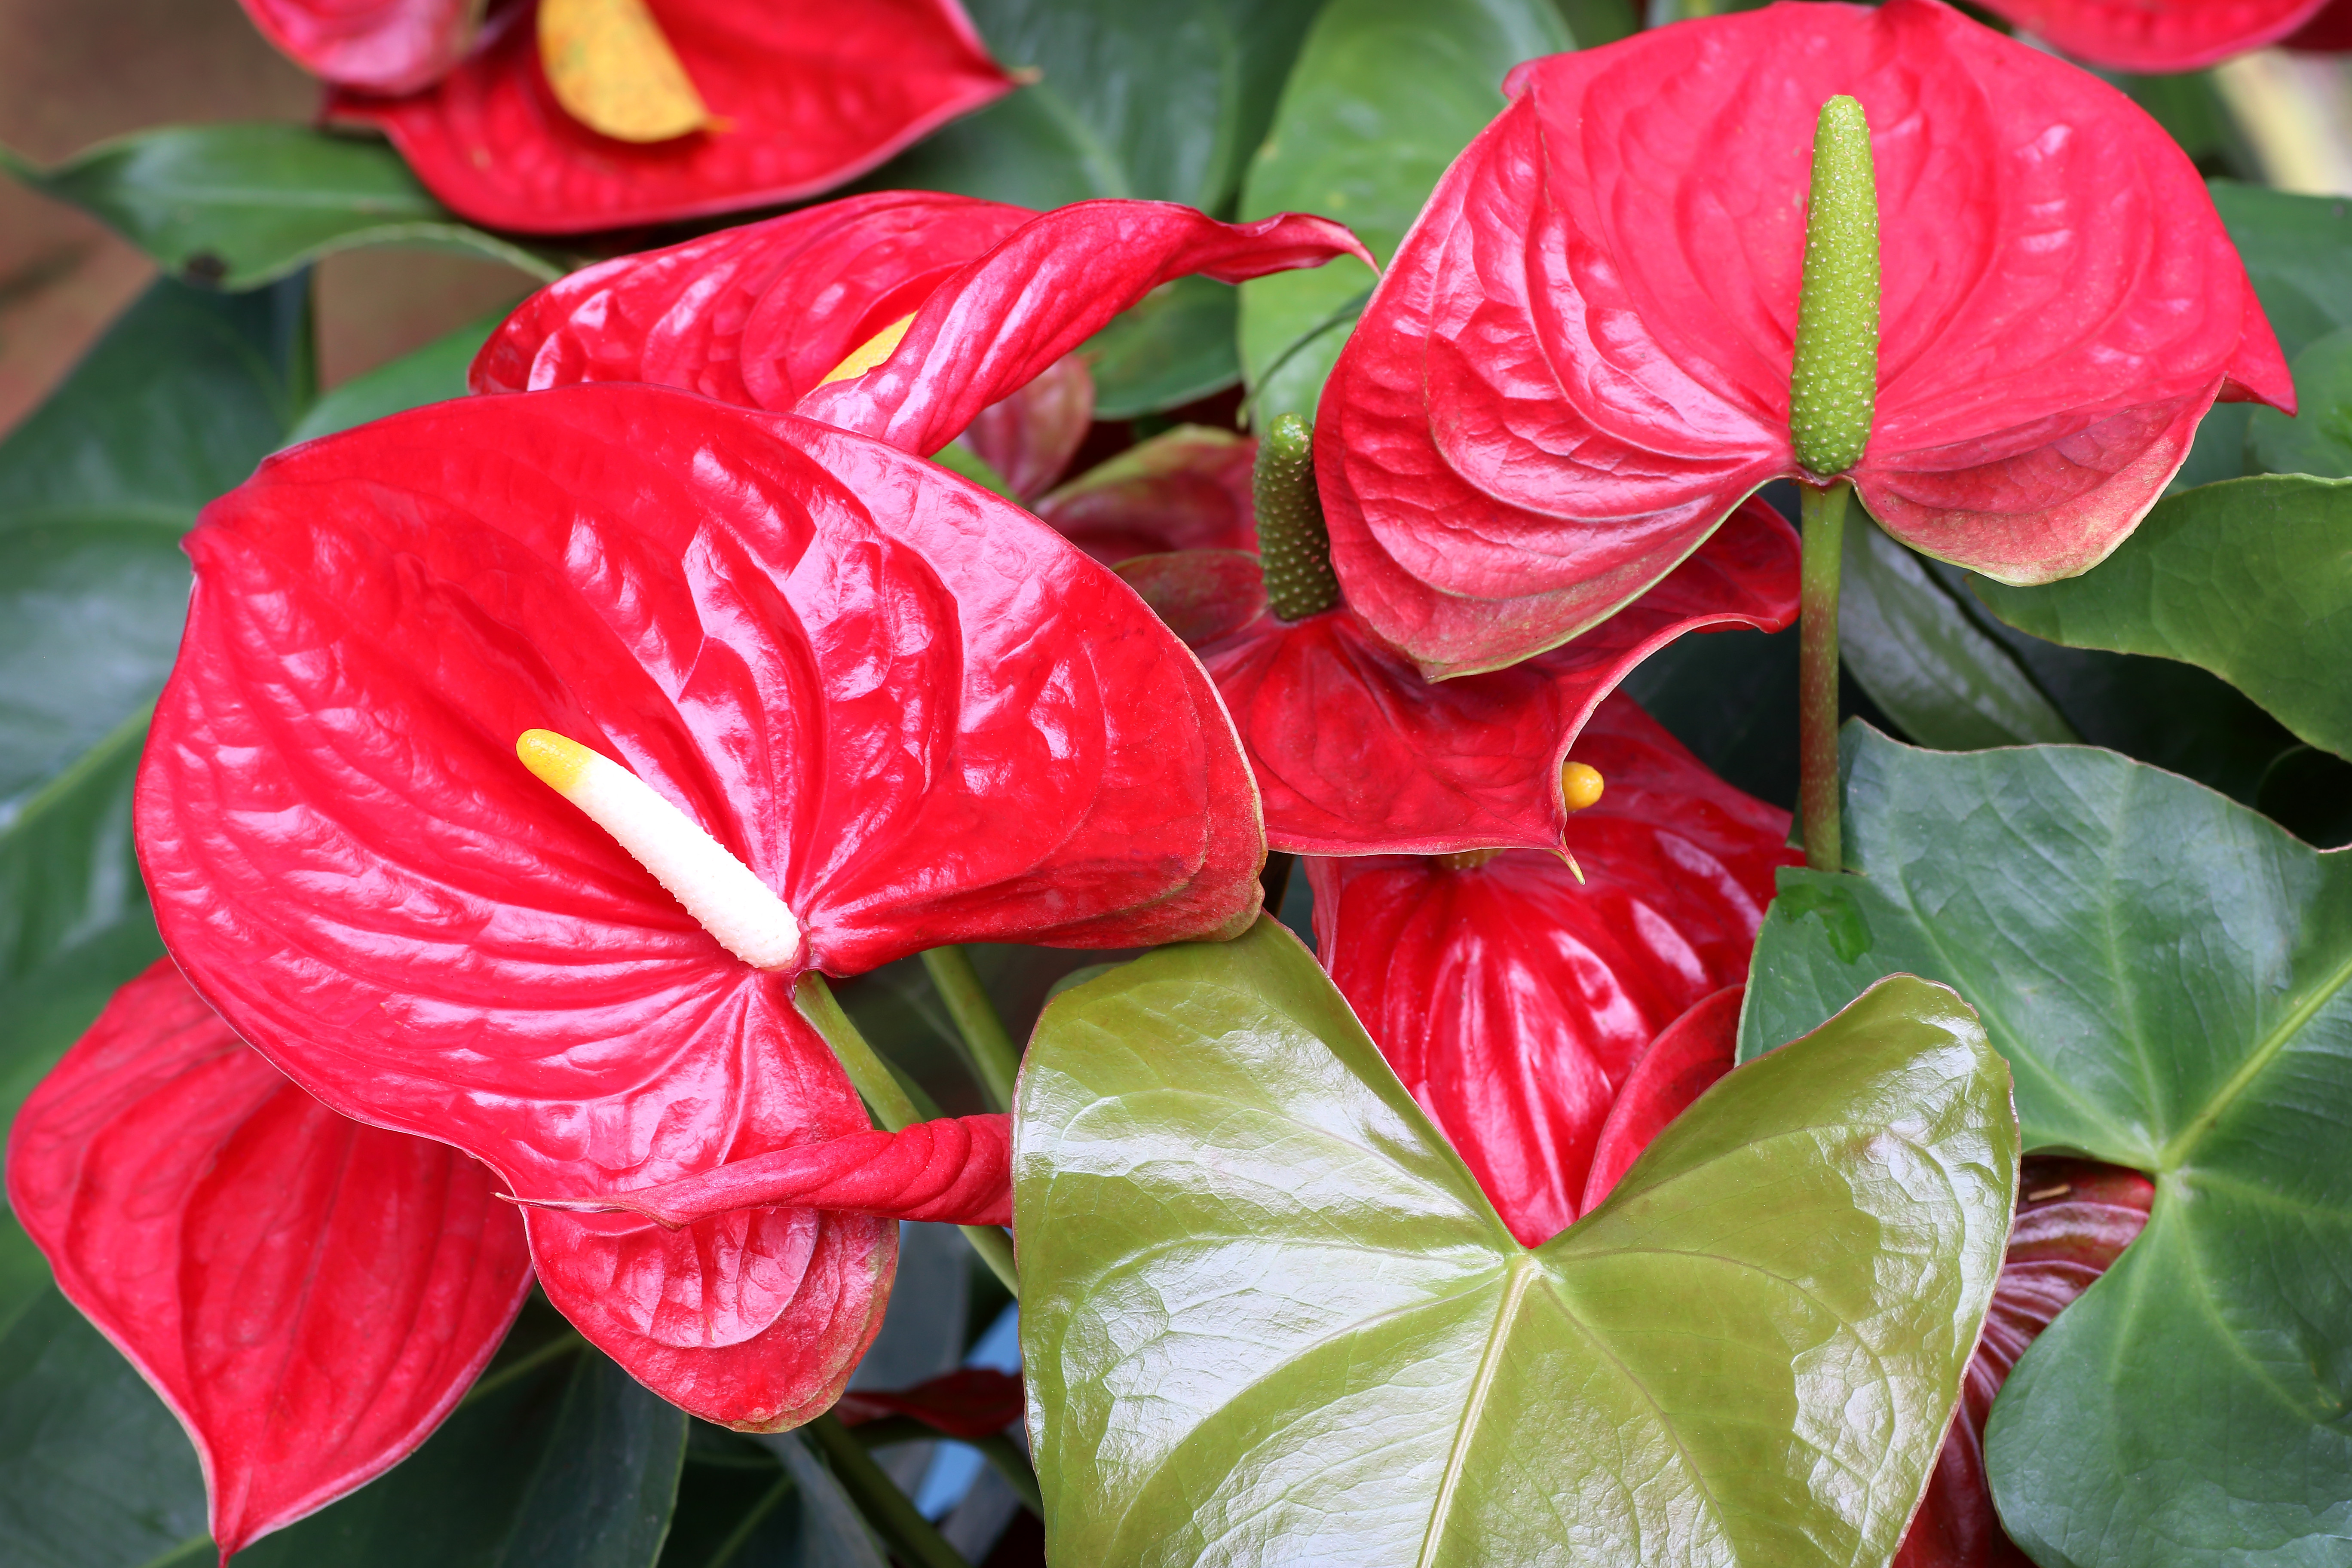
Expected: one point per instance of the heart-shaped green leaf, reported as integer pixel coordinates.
(238, 206)
(1385, 93)
(2318, 440)
(1268, 1317)
(2251, 579)
(2171, 977)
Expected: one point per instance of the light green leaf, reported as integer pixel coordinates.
(1268, 1317)
(1385, 93)
(434, 373)
(1173, 348)
(240, 206)
(2168, 976)
(1915, 648)
(2318, 440)
(2251, 579)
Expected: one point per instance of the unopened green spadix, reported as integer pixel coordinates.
(1291, 538)
(1833, 383)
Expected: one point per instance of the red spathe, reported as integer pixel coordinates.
(375, 46)
(2160, 37)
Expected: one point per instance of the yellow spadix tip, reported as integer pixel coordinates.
(872, 352)
(611, 68)
(1580, 786)
(555, 761)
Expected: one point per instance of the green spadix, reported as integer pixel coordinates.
(1833, 383)
(1294, 548)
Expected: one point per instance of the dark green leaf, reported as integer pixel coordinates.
(1384, 94)
(433, 374)
(1922, 658)
(1731, 698)
(2298, 252)
(24, 1272)
(238, 206)
(1265, 1302)
(1175, 347)
(1165, 102)
(2251, 579)
(2318, 440)
(2166, 972)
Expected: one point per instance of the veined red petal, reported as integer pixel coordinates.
(1357, 754)
(803, 96)
(970, 1402)
(2157, 36)
(310, 1296)
(1513, 1000)
(1578, 361)
(375, 46)
(2074, 1218)
(1673, 1069)
(1183, 489)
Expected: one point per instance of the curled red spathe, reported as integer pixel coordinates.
(374, 46)
(2159, 36)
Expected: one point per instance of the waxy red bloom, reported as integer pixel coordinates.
(375, 46)
(955, 303)
(1357, 754)
(1516, 1003)
(970, 1402)
(2164, 35)
(310, 1296)
(802, 96)
(2074, 1218)
(903, 712)
(1578, 362)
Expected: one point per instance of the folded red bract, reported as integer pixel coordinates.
(803, 96)
(310, 1296)
(914, 712)
(760, 315)
(1578, 362)
(1513, 1001)
(1357, 754)
(970, 1402)
(2163, 35)
(376, 46)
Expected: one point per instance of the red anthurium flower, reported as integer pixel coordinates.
(2074, 1218)
(789, 97)
(1579, 360)
(376, 46)
(2162, 35)
(970, 1402)
(1186, 488)
(900, 315)
(310, 1296)
(523, 752)
(1357, 754)
(1516, 1003)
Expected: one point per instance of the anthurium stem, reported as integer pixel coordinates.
(892, 1105)
(988, 1044)
(890, 1511)
(1817, 674)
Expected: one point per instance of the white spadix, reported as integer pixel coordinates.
(746, 916)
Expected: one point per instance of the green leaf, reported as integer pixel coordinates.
(1730, 696)
(1173, 348)
(2298, 252)
(434, 373)
(240, 205)
(1263, 1301)
(763, 1502)
(2251, 579)
(1164, 102)
(1924, 659)
(2318, 440)
(1385, 93)
(2166, 972)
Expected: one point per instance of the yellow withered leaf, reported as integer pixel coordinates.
(614, 71)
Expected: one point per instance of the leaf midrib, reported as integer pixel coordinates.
(2176, 1152)
(1523, 1271)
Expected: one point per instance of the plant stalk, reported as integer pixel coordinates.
(988, 1046)
(1817, 674)
(890, 1511)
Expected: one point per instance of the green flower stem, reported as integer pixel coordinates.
(988, 1046)
(1817, 674)
(892, 1105)
(908, 1534)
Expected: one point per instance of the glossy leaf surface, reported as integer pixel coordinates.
(1384, 94)
(2166, 975)
(770, 622)
(2157, 36)
(1512, 999)
(1174, 346)
(377, 46)
(1357, 754)
(1183, 489)
(1274, 1320)
(238, 206)
(2318, 440)
(2251, 579)
(802, 96)
(310, 1296)
(1579, 362)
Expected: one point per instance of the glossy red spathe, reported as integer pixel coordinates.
(1578, 362)
(970, 1402)
(310, 1296)
(912, 711)
(802, 95)
(760, 315)
(2165, 36)
(375, 46)
(1357, 754)
(1514, 1001)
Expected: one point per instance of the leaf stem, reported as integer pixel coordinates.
(1823, 511)
(988, 1044)
(889, 1510)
